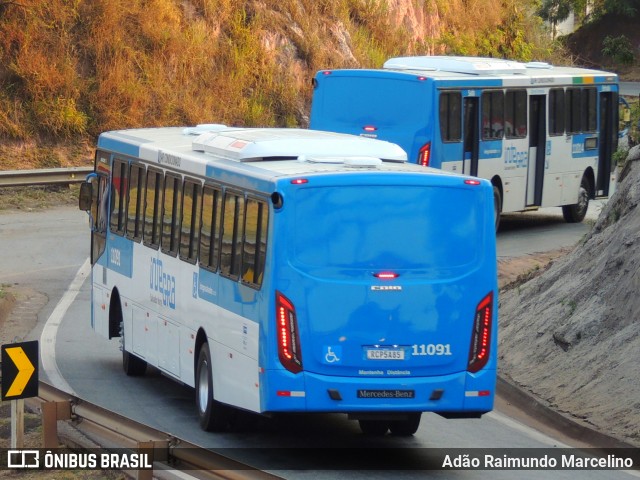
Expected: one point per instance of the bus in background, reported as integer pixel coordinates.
(284, 270)
(542, 135)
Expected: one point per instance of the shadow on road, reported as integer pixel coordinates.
(514, 222)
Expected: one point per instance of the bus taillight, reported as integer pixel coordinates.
(424, 154)
(481, 335)
(288, 339)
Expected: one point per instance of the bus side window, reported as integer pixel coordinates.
(103, 203)
(492, 115)
(210, 228)
(255, 242)
(556, 111)
(515, 115)
(134, 202)
(450, 116)
(190, 229)
(100, 203)
(119, 186)
(152, 204)
(590, 109)
(231, 247)
(171, 214)
(573, 106)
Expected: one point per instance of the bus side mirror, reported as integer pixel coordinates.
(86, 194)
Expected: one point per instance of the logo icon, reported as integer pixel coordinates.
(23, 459)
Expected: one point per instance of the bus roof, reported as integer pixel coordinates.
(485, 71)
(263, 153)
(481, 66)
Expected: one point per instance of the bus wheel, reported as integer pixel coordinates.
(406, 427)
(133, 366)
(374, 427)
(575, 213)
(497, 206)
(213, 416)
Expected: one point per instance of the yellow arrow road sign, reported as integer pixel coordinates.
(25, 370)
(19, 370)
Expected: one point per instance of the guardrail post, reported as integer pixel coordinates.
(51, 413)
(146, 448)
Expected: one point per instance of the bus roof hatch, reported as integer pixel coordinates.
(254, 144)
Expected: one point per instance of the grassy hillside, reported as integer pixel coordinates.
(72, 68)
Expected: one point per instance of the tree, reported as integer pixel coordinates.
(555, 12)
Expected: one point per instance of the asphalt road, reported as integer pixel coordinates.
(631, 89)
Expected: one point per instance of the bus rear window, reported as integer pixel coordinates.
(355, 101)
(380, 227)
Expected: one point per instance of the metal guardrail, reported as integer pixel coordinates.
(45, 176)
(106, 429)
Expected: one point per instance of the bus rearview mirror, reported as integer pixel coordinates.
(84, 198)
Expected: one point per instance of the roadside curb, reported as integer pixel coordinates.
(572, 428)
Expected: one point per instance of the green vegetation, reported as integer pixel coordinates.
(71, 69)
(619, 49)
(557, 11)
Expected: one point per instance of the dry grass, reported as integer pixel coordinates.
(37, 198)
(486, 28)
(69, 70)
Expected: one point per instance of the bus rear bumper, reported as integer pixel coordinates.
(449, 395)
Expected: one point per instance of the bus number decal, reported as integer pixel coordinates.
(162, 283)
(431, 349)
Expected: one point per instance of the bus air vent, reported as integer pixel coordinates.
(204, 128)
(540, 65)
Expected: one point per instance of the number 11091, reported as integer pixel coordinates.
(431, 349)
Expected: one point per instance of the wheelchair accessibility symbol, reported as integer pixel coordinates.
(332, 354)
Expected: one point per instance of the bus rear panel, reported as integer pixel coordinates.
(384, 296)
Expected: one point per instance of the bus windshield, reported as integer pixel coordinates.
(334, 227)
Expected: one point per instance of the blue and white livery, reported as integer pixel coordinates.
(284, 270)
(542, 135)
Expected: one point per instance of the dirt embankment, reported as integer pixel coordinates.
(571, 336)
(586, 44)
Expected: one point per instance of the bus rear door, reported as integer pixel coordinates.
(537, 145)
(608, 141)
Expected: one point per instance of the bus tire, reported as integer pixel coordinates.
(497, 206)
(406, 427)
(133, 366)
(213, 415)
(575, 213)
(374, 427)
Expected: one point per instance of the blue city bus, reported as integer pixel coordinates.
(543, 135)
(285, 270)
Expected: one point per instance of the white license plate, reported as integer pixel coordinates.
(385, 354)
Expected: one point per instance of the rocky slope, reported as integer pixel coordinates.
(571, 336)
